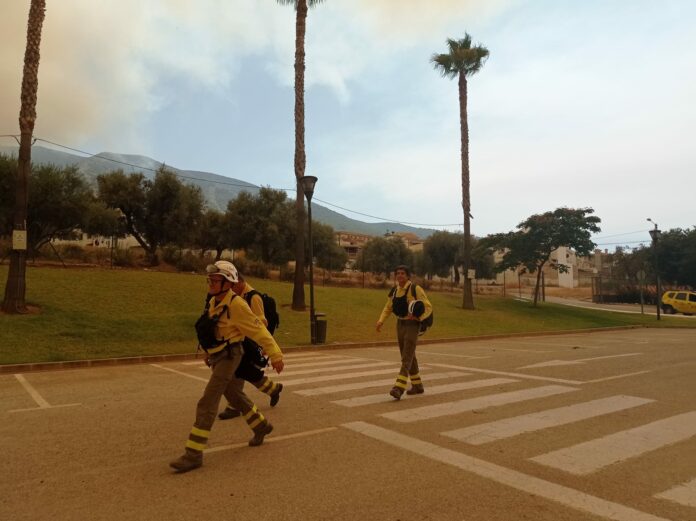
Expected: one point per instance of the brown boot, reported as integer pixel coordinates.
(396, 392)
(260, 434)
(189, 461)
(276, 395)
(229, 413)
(416, 389)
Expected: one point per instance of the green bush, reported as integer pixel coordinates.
(124, 257)
(190, 262)
(171, 255)
(72, 251)
(5, 247)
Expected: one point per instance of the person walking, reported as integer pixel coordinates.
(248, 368)
(225, 323)
(410, 304)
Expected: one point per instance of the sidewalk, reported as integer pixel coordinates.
(617, 308)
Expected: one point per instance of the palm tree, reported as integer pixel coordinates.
(301, 6)
(15, 288)
(462, 61)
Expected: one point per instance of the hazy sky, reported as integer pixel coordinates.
(581, 103)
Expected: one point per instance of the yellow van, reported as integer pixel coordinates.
(679, 302)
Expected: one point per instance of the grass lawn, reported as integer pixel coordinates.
(96, 313)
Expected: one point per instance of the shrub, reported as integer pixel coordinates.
(171, 255)
(124, 257)
(190, 262)
(72, 251)
(5, 248)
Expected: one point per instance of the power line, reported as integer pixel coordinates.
(143, 167)
(620, 234)
(383, 218)
(224, 183)
(627, 242)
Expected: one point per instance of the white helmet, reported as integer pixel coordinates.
(224, 268)
(416, 308)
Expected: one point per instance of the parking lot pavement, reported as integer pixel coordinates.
(566, 427)
(618, 308)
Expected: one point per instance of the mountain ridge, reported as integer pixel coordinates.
(217, 189)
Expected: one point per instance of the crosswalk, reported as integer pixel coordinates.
(360, 382)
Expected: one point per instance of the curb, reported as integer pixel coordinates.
(105, 362)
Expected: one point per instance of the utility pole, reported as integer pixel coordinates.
(655, 235)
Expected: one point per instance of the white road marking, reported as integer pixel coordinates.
(593, 455)
(437, 389)
(455, 356)
(529, 484)
(333, 377)
(581, 361)
(180, 372)
(423, 351)
(44, 408)
(470, 404)
(625, 375)
(40, 401)
(292, 363)
(296, 356)
(309, 354)
(509, 427)
(342, 368)
(330, 389)
(519, 350)
(272, 439)
(521, 376)
(684, 494)
(32, 392)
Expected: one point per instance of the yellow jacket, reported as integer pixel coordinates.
(256, 303)
(400, 291)
(238, 322)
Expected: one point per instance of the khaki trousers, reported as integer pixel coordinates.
(407, 335)
(222, 382)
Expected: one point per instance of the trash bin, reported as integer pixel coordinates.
(320, 327)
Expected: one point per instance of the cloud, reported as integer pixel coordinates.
(103, 63)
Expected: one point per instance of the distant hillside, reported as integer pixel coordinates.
(216, 189)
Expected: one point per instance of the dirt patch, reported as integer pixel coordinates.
(574, 293)
(30, 310)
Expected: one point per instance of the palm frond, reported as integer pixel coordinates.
(310, 3)
(462, 58)
(444, 64)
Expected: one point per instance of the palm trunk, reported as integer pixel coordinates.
(15, 289)
(298, 296)
(468, 297)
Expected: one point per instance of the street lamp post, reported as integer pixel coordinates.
(308, 183)
(655, 235)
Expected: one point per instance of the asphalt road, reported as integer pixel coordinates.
(571, 427)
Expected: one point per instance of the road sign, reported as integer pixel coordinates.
(19, 239)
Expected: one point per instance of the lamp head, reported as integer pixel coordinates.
(307, 182)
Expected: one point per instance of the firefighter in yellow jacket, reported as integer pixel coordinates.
(410, 310)
(235, 320)
(247, 370)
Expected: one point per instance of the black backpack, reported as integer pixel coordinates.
(205, 327)
(270, 310)
(424, 324)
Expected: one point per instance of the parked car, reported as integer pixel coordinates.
(679, 302)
